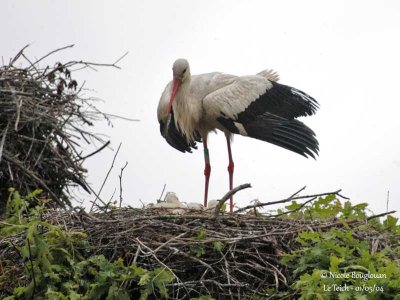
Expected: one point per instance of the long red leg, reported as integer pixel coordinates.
(207, 170)
(231, 167)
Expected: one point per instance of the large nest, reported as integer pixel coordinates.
(226, 256)
(43, 121)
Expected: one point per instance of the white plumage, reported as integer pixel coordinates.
(255, 106)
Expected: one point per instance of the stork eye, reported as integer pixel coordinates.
(184, 70)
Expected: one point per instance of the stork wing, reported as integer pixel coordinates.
(257, 107)
(256, 95)
(168, 128)
(174, 137)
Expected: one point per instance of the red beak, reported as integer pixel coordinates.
(176, 83)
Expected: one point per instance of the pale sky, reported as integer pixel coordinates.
(343, 53)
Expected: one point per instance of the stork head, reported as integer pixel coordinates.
(181, 72)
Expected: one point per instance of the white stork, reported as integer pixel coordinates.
(255, 106)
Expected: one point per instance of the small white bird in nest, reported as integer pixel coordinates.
(171, 197)
(195, 206)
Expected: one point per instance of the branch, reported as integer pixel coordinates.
(286, 200)
(52, 52)
(228, 195)
(296, 209)
(91, 64)
(381, 215)
(16, 57)
(95, 152)
(105, 179)
(120, 184)
(3, 139)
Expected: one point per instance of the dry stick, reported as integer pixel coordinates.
(3, 139)
(341, 196)
(29, 61)
(18, 55)
(169, 241)
(381, 215)
(300, 190)
(162, 192)
(184, 254)
(121, 58)
(91, 64)
(151, 252)
(228, 276)
(15, 92)
(296, 209)
(52, 52)
(387, 198)
(286, 200)
(93, 153)
(120, 117)
(18, 103)
(120, 184)
(34, 176)
(105, 179)
(228, 195)
(277, 271)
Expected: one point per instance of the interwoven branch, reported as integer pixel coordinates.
(43, 127)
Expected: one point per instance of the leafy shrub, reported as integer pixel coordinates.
(58, 267)
(341, 264)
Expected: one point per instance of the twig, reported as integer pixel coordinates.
(381, 215)
(162, 192)
(105, 179)
(52, 52)
(95, 152)
(121, 58)
(177, 251)
(3, 139)
(228, 276)
(296, 209)
(35, 177)
(228, 195)
(120, 184)
(151, 252)
(16, 57)
(285, 200)
(121, 117)
(387, 197)
(300, 190)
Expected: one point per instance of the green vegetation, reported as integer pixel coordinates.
(357, 260)
(57, 265)
(343, 264)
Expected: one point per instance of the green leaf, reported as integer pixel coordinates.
(390, 223)
(335, 262)
(309, 235)
(294, 205)
(218, 246)
(201, 235)
(144, 279)
(345, 296)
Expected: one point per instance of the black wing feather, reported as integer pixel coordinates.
(283, 101)
(175, 138)
(271, 118)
